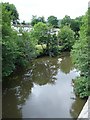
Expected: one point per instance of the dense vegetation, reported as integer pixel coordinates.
(80, 56)
(16, 50)
(50, 38)
(66, 38)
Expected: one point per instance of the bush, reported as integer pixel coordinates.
(81, 87)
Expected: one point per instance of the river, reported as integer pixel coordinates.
(44, 90)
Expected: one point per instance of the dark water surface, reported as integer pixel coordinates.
(43, 91)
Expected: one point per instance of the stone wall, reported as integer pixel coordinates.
(85, 113)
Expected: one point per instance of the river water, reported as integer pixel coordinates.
(44, 90)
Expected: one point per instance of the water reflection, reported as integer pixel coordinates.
(44, 71)
(44, 90)
(76, 107)
(10, 106)
(15, 92)
(66, 65)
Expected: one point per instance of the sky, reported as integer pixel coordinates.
(46, 8)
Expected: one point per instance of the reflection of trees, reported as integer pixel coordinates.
(76, 107)
(16, 91)
(44, 71)
(66, 64)
(17, 87)
(9, 105)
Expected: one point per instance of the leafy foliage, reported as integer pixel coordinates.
(9, 47)
(10, 8)
(80, 58)
(41, 33)
(16, 50)
(74, 24)
(52, 20)
(66, 38)
(36, 19)
(66, 21)
(80, 49)
(81, 87)
(26, 49)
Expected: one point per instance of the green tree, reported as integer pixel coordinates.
(9, 46)
(26, 49)
(16, 50)
(66, 38)
(65, 21)
(39, 33)
(36, 19)
(81, 59)
(14, 16)
(53, 49)
(52, 20)
(80, 49)
(73, 23)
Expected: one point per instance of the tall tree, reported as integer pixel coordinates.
(80, 55)
(9, 46)
(14, 16)
(16, 50)
(73, 23)
(39, 33)
(66, 38)
(65, 21)
(36, 19)
(52, 20)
